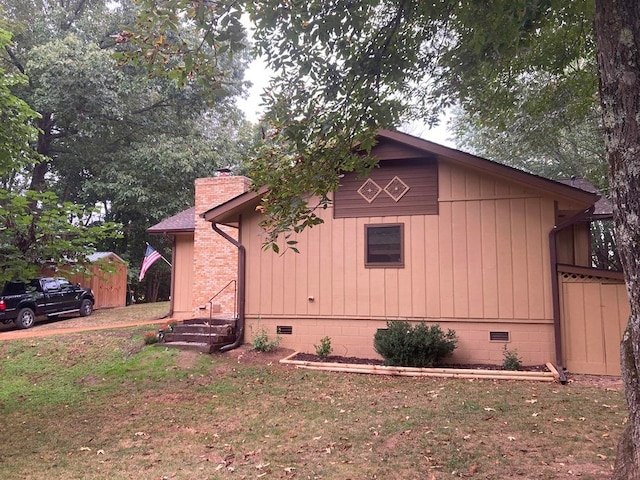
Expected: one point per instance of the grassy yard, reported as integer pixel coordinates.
(100, 405)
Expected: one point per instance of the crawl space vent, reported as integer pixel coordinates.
(284, 329)
(499, 336)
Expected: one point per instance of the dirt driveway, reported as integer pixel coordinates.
(105, 319)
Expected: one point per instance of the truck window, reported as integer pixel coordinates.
(34, 285)
(50, 285)
(13, 288)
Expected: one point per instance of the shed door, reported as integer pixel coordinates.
(594, 315)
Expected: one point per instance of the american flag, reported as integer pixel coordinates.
(150, 256)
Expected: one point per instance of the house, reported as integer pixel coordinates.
(433, 234)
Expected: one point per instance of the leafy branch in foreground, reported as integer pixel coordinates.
(37, 230)
(162, 42)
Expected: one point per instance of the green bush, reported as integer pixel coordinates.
(324, 349)
(401, 344)
(511, 360)
(262, 342)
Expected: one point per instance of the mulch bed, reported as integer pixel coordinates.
(309, 357)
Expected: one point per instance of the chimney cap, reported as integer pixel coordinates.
(224, 172)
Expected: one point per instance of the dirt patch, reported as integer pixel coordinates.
(604, 382)
(246, 354)
(187, 359)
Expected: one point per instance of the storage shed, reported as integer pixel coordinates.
(109, 285)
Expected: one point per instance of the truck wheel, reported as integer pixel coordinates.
(86, 308)
(26, 318)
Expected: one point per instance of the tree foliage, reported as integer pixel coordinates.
(16, 115)
(110, 134)
(36, 229)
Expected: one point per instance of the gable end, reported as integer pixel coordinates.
(398, 187)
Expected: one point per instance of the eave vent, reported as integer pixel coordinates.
(284, 330)
(499, 336)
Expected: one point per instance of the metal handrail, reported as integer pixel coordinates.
(210, 302)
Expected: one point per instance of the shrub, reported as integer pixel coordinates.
(324, 349)
(150, 338)
(262, 342)
(401, 344)
(511, 360)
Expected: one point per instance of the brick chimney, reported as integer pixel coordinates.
(215, 260)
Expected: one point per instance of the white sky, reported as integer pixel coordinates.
(258, 74)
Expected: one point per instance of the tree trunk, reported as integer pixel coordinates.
(617, 27)
(45, 125)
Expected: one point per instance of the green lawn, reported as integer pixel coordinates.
(100, 405)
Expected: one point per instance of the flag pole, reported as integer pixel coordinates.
(161, 256)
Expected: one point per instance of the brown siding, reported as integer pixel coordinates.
(421, 176)
(483, 258)
(574, 245)
(595, 310)
(182, 275)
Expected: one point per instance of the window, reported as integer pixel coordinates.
(50, 285)
(384, 245)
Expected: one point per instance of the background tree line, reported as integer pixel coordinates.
(113, 150)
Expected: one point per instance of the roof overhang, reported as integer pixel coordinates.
(228, 213)
(182, 222)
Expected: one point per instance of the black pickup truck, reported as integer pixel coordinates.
(21, 303)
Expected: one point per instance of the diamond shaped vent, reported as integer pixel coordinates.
(369, 190)
(396, 188)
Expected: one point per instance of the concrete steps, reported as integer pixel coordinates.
(201, 334)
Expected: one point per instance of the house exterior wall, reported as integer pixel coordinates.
(481, 264)
(595, 310)
(574, 245)
(215, 260)
(182, 302)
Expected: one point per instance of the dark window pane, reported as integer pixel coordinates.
(384, 245)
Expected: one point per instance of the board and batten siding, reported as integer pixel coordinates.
(418, 176)
(595, 310)
(483, 257)
(182, 275)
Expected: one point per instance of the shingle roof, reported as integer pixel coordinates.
(95, 256)
(181, 222)
(603, 206)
